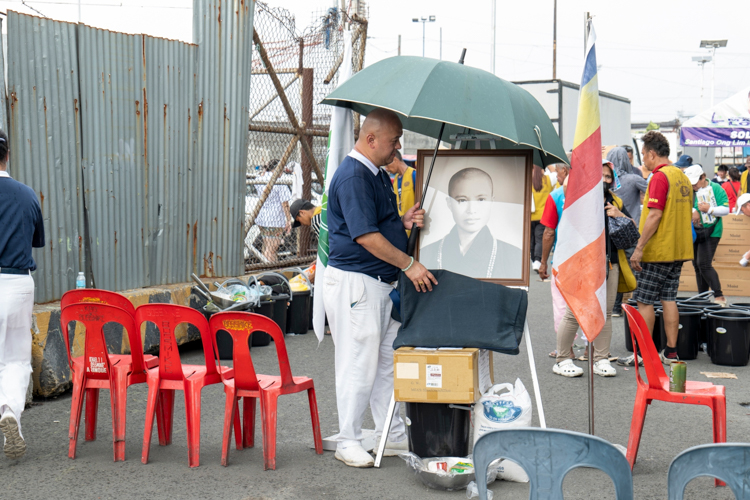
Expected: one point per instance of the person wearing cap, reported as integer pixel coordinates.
(666, 241)
(404, 180)
(684, 162)
(304, 213)
(21, 228)
(709, 206)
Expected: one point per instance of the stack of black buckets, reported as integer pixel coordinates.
(723, 332)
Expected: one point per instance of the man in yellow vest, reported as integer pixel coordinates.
(666, 239)
(403, 183)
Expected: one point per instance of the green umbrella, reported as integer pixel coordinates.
(427, 93)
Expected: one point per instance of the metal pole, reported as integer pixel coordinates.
(585, 33)
(554, 43)
(399, 45)
(591, 388)
(494, 39)
(703, 73)
(423, 23)
(713, 74)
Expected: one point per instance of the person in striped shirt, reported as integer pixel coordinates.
(305, 213)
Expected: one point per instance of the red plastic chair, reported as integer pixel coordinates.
(657, 388)
(96, 296)
(87, 296)
(97, 369)
(246, 384)
(172, 375)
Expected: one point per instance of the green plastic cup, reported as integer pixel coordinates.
(677, 376)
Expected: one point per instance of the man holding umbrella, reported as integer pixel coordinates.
(367, 240)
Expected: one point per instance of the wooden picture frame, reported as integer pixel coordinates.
(503, 229)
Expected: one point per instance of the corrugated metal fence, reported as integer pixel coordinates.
(135, 145)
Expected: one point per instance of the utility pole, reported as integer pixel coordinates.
(399, 45)
(494, 33)
(702, 60)
(713, 45)
(554, 43)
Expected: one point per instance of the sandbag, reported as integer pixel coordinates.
(497, 410)
(461, 312)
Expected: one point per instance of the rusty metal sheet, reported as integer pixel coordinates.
(44, 133)
(114, 178)
(223, 31)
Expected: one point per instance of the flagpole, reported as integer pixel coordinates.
(586, 20)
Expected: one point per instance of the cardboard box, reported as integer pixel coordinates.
(735, 279)
(734, 236)
(736, 222)
(458, 376)
(730, 253)
(735, 288)
(687, 268)
(688, 283)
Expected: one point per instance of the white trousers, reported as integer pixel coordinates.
(16, 307)
(359, 314)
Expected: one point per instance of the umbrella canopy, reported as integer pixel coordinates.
(427, 92)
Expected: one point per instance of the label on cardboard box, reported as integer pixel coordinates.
(409, 371)
(434, 378)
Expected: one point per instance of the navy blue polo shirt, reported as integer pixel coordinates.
(21, 225)
(360, 202)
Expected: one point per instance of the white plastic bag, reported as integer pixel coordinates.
(504, 410)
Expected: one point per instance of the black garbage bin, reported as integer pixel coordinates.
(280, 306)
(740, 305)
(265, 308)
(729, 337)
(688, 332)
(298, 314)
(436, 430)
(656, 336)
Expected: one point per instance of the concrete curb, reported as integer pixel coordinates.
(51, 373)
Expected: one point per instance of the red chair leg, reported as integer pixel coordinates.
(248, 422)
(315, 421)
(119, 397)
(636, 426)
(230, 417)
(151, 403)
(237, 426)
(193, 413)
(719, 416)
(167, 416)
(268, 413)
(92, 408)
(76, 407)
(160, 408)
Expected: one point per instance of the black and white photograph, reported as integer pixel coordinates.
(476, 214)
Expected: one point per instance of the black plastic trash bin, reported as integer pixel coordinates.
(435, 430)
(729, 337)
(656, 336)
(280, 306)
(265, 308)
(688, 332)
(298, 314)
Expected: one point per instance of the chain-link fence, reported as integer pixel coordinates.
(288, 135)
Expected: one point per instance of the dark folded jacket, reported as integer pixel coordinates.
(461, 312)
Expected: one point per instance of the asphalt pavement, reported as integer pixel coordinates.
(46, 472)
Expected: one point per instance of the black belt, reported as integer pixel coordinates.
(13, 270)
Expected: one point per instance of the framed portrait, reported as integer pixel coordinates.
(478, 217)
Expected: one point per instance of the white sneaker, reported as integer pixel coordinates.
(393, 448)
(604, 369)
(355, 456)
(567, 369)
(15, 446)
(536, 265)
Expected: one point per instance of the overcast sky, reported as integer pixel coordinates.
(644, 48)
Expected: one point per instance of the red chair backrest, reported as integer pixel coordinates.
(94, 316)
(240, 325)
(94, 295)
(166, 317)
(642, 340)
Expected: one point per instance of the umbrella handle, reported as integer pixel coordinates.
(413, 237)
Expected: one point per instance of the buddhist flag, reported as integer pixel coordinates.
(340, 143)
(580, 257)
